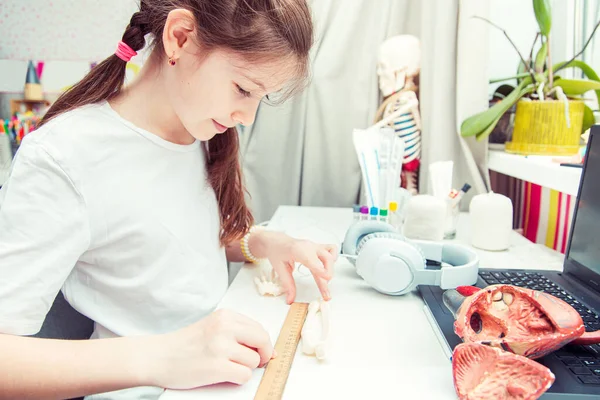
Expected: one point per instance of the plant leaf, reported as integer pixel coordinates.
(537, 36)
(518, 77)
(588, 118)
(587, 42)
(575, 87)
(522, 70)
(540, 57)
(543, 15)
(479, 123)
(585, 68)
(503, 90)
(482, 135)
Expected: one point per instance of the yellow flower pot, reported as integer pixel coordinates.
(541, 128)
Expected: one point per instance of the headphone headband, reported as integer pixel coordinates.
(463, 260)
(391, 261)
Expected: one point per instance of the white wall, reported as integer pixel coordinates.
(518, 19)
(65, 30)
(67, 35)
(591, 15)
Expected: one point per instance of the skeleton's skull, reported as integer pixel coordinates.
(399, 57)
(518, 320)
(483, 372)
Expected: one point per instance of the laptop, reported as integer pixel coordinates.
(577, 368)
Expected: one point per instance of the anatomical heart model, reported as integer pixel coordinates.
(504, 328)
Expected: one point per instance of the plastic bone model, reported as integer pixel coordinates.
(315, 335)
(503, 328)
(267, 283)
(398, 67)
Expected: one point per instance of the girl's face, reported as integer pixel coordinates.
(220, 91)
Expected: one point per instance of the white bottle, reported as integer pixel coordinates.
(491, 216)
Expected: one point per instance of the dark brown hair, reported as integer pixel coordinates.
(257, 30)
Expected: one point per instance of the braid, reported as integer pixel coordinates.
(136, 31)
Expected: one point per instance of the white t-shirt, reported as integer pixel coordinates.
(122, 221)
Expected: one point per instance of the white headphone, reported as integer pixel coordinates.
(393, 265)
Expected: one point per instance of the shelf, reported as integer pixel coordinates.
(15, 104)
(540, 170)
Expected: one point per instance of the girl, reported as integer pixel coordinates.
(130, 201)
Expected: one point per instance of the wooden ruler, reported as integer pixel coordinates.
(278, 369)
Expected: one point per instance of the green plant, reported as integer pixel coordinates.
(537, 78)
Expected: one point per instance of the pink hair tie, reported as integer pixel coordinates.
(124, 52)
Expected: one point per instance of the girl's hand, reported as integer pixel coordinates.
(284, 251)
(222, 347)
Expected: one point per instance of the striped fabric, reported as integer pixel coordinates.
(544, 215)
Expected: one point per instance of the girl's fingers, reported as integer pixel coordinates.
(287, 282)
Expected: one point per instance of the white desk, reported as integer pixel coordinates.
(384, 346)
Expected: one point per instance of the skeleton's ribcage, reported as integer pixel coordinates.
(406, 127)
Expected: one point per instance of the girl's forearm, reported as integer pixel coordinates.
(32, 368)
(260, 242)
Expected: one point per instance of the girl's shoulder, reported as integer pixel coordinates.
(77, 131)
(82, 119)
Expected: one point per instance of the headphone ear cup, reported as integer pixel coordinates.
(379, 235)
(388, 264)
(360, 229)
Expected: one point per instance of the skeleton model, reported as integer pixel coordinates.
(398, 67)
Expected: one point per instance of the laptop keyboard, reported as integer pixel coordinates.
(582, 361)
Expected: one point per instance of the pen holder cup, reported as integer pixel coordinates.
(425, 218)
(451, 222)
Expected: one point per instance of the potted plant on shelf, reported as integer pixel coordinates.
(550, 111)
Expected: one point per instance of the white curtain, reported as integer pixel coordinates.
(302, 153)
(454, 85)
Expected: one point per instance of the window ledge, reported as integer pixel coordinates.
(540, 170)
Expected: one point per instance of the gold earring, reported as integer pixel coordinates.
(171, 59)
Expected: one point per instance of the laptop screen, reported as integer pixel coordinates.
(583, 255)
